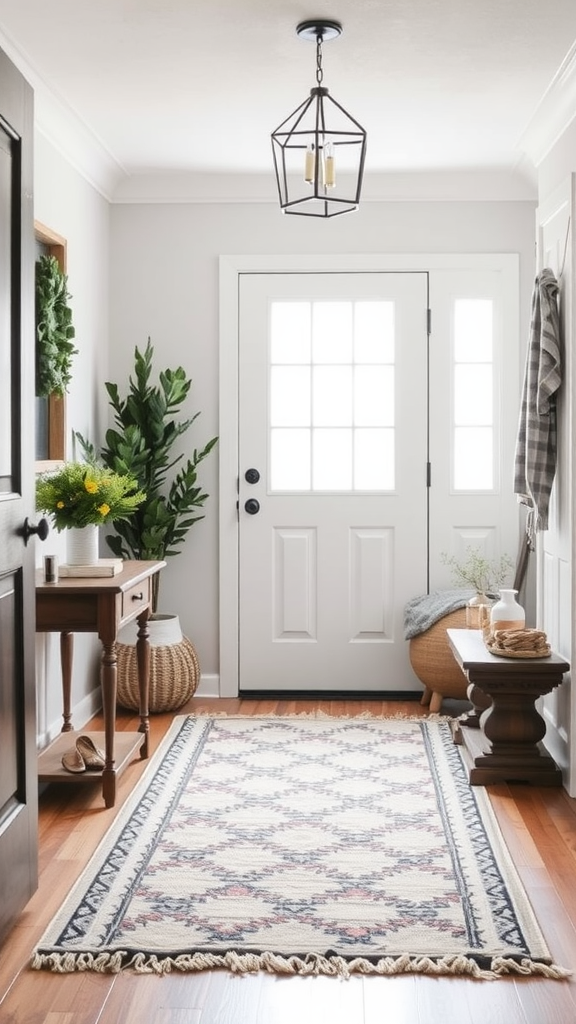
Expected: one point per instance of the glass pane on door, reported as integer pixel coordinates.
(332, 396)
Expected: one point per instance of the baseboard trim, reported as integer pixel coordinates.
(82, 712)
(331, 694)
(208, 686)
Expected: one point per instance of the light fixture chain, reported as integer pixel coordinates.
(319, 71)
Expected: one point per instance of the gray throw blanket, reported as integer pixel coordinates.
(422, 612)
(535, 458)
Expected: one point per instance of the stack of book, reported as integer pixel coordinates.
(103, 567)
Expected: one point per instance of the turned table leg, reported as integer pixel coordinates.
(143, 660)
(66, 656)
(109, 682)
(480, 702)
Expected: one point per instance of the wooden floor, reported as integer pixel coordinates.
(539, 826)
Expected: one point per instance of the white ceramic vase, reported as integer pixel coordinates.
(82, 545)
(507, 613)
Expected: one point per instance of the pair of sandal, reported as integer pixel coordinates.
(84, 757)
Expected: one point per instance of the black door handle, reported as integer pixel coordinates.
(41, 529)
(252, 506)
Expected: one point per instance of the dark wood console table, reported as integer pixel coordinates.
(98, 605)
(506, 747)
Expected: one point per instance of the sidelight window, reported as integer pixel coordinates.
(473, 395)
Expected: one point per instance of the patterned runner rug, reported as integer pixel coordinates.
(302, 845)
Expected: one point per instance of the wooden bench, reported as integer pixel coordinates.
(507, 746)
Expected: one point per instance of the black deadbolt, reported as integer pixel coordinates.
(252, 476)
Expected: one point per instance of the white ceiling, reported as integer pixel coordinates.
(197, 86)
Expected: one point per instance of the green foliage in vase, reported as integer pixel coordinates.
(54, 329)
(141, 443)
(80, 495)
(483, 575)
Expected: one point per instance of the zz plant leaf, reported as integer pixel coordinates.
(54, 329)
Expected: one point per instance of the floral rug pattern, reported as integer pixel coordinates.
(306, 845)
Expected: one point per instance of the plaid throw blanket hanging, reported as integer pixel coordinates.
(535, 459)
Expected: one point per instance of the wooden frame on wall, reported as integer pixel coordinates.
(54, 245)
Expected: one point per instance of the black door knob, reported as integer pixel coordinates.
(252, 506)
(252, 476)
(41, 529)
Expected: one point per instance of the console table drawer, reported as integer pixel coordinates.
(136, 599)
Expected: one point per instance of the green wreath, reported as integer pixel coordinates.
(54, 329)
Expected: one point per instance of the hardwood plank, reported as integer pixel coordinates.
(546, 1002)
(272, 999)
(494, 1002)
(148, 999)
(443, 1000)
(42, 996)
(397, 995)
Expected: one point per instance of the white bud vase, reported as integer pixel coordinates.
(82, 545)
(507, 613)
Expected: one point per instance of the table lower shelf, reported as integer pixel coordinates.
(126, 750)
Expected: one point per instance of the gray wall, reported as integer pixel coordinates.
(164, 283)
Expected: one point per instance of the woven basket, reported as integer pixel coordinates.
(432, 659)
(174, 676)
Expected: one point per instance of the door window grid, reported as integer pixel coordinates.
(331, 396)
(473, 375)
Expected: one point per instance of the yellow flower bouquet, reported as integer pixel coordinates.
(82, 494)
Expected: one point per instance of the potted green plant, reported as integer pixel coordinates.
(142, 443)
(81, 497)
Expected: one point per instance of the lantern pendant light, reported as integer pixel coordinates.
(319, 150)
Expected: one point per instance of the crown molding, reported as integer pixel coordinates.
(554, 113)
(59, 124)
(483, 185)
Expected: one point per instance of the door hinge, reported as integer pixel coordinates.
(428, 474)
(429, 321)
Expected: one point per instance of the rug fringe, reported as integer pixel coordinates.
(274, 963)
(400, 716)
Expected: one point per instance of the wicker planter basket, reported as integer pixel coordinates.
(435, 665)
(174, 667)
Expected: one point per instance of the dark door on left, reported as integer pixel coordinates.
(18, 773)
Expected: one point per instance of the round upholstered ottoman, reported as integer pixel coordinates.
(433, 662)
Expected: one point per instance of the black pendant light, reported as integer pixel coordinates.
(319, 150)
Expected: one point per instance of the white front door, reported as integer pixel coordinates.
(333, 506)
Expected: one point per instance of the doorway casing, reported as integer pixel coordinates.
(231, 267)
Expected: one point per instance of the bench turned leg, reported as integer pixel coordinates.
(436, 702)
